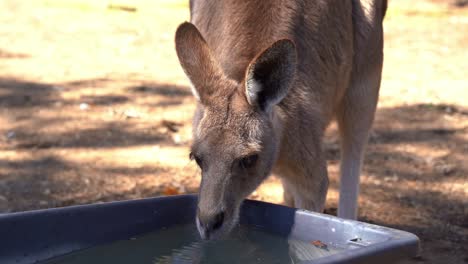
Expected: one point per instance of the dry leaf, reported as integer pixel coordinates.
(169, 190)
(319, 244)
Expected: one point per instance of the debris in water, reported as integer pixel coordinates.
(319, 244)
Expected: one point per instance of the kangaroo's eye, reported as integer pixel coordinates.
(197, 159)
(249, 161)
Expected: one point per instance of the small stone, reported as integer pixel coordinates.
(176, 138)
(393, 178)
(11, 134)
(58, 88)
(84, 106)
(131, 113)
(445, 169)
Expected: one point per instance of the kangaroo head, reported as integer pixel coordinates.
(236, 133)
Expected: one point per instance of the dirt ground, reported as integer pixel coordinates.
(94, 107)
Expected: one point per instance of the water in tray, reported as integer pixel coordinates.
(182, 244)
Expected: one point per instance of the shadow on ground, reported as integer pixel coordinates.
(4, 54)
(416, 167)
(41, 117)
(415, 163)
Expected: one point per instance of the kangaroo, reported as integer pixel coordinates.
(269, 77)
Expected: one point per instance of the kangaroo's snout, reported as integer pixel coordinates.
(209, 223)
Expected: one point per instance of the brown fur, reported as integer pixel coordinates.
(270, 76)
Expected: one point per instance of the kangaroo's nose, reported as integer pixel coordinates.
(217, 221)
(211, 223)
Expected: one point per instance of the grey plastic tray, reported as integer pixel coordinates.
(29, 237)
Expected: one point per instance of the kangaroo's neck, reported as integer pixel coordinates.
(238, 30)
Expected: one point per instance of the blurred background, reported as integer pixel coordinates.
(94, 107)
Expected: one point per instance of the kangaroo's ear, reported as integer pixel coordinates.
(270, 74)
(197, 61)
